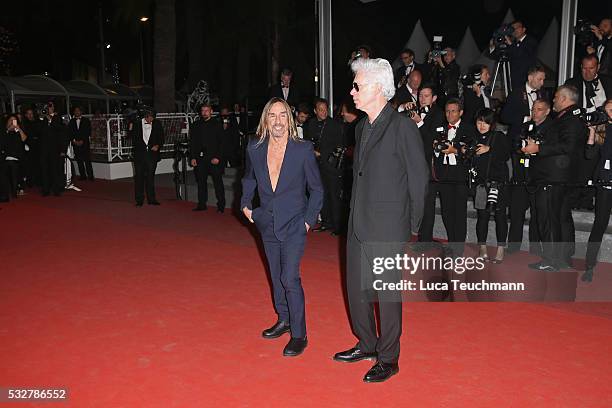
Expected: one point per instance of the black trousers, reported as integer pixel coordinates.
(361, 298)
(429, 213)
(501, 225)
(331, 213)
(551, 202)
(52, 173)
(85, 167)
(144, 178)
(521, 200)
(202, 171)
(14, 176)
(603, 205)
(453, 200)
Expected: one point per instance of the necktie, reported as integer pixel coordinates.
(451, 127)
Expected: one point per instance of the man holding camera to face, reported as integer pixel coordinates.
(477, 91)
(552, 169)
(445, 72)
(601, 48)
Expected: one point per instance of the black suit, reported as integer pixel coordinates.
(403, 95)
(145, 159)
(400, 73)
(516, 108)
(577, 82)
(389, 186)
(326, 136)
(81, 153)
(605, 61)
(293, 98)
(447, 79)
(53, 147)
(551, 170)
(522, 56)
(206, 143)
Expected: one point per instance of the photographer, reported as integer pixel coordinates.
(450, 171)
(477, 91)
(13, 153)
(428, 118)
(206, 144)
(521, 196)
(601, 46)
(599, 147)
(53, 146)
(408, 65)
(445, 72)
(489, 163)
(326, 135)
(552, 168)
(520, 49)
(407, 96)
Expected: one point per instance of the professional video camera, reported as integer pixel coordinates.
(594, 118)
(437, 50)
(499, 36)
(583, 33)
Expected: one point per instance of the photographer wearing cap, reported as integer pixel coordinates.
(552, 168)
(599, 147)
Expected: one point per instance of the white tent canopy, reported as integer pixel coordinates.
(418, 42)
(508, 18)
(468, 51)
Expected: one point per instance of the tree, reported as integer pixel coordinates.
(164, 55)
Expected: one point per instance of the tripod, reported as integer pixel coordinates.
(504, 63)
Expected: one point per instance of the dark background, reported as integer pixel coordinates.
(228, 43)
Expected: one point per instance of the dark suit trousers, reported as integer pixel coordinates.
(429, 214)
(550, 203)
(83, 159)
(453, 200)
(52, 173)
(144, 178)
(331, 213)
(284, 262)
(361, 298)
(603, 205)
(520, 201)
(202, 171)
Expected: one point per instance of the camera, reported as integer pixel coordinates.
(597, 117)
(499, 36)
(470, 79)
(583, 33)
(337, 157)
(437, 50)
(492, 194)
(441, 141)
(528, 131)
(470, 151)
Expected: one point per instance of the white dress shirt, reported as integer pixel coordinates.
(146, 131)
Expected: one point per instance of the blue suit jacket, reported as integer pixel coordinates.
(288, 206)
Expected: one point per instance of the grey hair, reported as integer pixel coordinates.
(380, 72)
(570, 92)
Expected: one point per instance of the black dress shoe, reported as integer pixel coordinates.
(154, 203)
(354, 354)
(295, 347)
(198, 208)
(381, 372)
(277, 330)
(587, 276)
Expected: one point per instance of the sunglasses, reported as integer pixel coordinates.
(356, 86)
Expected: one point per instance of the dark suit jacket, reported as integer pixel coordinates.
(465, 135)
(288, 206)
(293, 99)
(206, 137)
(433, 120)
(403, 95)
(53, 137)
(401, 72)
(516, 108)
(605, 62)
(577, 82)
(389, 180)
(326, 136)
(142, 151)
(81, 134)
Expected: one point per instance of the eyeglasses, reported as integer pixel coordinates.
(356, 86)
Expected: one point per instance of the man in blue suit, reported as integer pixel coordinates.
(282, 167)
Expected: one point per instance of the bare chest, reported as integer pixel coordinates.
(275, 162)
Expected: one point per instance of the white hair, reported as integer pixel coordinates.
(379, 71)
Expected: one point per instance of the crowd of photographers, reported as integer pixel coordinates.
(509, 148)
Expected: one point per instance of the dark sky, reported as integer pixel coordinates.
(51, 34)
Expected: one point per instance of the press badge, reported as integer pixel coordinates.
(525, 162)
(607, 165)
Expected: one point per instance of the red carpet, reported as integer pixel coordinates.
(163, 307)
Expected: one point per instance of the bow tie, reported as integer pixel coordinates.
(451, 126)
(285, 87)
(533, 91)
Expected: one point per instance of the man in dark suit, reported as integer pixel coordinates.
(284, 90)
(602, 48)
(230, 142)
(80, 131)
(326, 135)
(407, 96)
(283, 168)
(593, 90)
(521, 51)
(446, 72)
(206, 150)
(53, 147)
(551, 169)
(408, 65)
(239, 117)
(477, 95)
(147, 137)
(389, 185)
